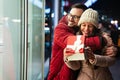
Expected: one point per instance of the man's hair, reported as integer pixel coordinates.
(80, 6)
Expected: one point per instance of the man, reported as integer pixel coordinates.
(67, 26)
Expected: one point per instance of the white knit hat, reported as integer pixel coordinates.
(89, 15)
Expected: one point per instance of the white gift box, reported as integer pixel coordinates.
(75, 44)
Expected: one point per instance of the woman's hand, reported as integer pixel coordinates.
(74, 65)
(90, 55)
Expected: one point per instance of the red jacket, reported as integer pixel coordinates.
(58, 69)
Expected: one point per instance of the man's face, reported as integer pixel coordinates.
(74, 16)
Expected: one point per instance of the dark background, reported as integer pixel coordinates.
(108, 7)
(105, 7)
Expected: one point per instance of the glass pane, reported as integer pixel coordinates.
(35, 39)
(10, 31)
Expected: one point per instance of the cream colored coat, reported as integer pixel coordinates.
(88, 70)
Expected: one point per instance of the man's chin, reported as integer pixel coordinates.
(70, 25)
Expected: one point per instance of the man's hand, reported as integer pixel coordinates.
(111, 51)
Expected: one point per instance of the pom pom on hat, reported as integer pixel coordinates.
(89, 15)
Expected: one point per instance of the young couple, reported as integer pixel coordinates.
(82, 21)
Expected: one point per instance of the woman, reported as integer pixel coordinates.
(95, 67)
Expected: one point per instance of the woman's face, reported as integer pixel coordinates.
(87, 28)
